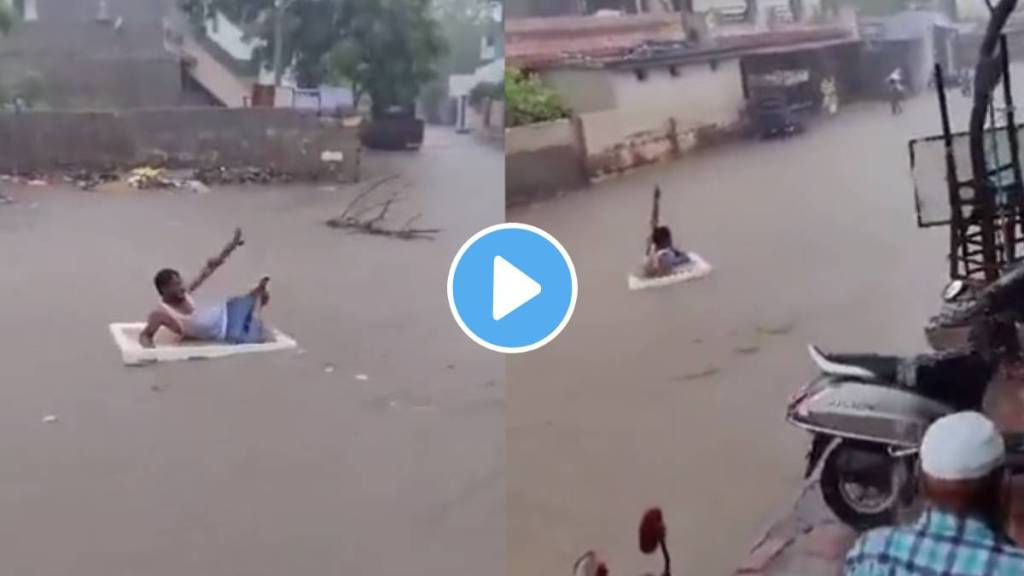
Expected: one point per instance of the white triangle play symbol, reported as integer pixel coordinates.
(512, 288)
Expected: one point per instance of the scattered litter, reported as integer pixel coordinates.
(328, 188)
(328, 368)
(300, 351)
(247, 175)
(332, 156)
(147, 178)
(49, 419)
(450, 366)
(88, 180)
(36, 182)
(197, 187)
(362, 377)
(6, 199)
(156, 388)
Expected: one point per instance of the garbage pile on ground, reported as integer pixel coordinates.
(89, 180)
(197, 181)
(23, 178)
(248, 175)
(148, 178)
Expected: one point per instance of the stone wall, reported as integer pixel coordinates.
(286, 140)
(542, 159)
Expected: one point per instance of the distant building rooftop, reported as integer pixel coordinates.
(546, 42)
(648, 40)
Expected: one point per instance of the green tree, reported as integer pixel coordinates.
(309, 28)
(390, 51)
(486, 91)
(529, 101)
(7, 17)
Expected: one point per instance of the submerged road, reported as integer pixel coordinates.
(675, 397)
(265, 465)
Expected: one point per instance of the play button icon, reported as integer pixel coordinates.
(512, 288)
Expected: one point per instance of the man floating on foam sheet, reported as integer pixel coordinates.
(236, 320)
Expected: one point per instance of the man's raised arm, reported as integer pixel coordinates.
(213, 263)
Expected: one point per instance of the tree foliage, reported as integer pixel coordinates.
(385, 48)
(528, 100)
(390, 51)
(7, 18)
(486, 91)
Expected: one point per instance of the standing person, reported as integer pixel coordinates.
(962, 530)
(896, 90)
(235, 320)
(967, 82)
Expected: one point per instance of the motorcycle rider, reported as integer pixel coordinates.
(962, 529)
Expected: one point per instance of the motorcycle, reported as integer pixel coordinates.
(868, 413)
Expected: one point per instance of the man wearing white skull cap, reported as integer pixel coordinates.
(961, 531)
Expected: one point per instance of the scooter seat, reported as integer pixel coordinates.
(860, 366)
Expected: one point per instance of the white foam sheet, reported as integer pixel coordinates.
(168, 349)
(696, 268)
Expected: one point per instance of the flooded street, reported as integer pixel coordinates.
(377, 448)
(675, 397)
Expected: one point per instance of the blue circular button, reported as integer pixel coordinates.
(512, 288)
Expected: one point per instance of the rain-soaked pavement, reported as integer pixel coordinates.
(675, 397)
(284, 463)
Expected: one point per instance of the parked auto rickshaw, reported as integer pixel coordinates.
(397, 128)
(776, 106)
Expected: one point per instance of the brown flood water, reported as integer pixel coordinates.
(262, 465)
(675, 397)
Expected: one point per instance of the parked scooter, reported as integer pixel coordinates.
(868, 412)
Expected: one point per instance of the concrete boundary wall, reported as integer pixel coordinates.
(289, 141)
(667, 141)
(542, 159)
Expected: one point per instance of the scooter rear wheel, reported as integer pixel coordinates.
(863, 485)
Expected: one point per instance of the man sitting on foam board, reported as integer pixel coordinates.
(236, 320)
(662, 256)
